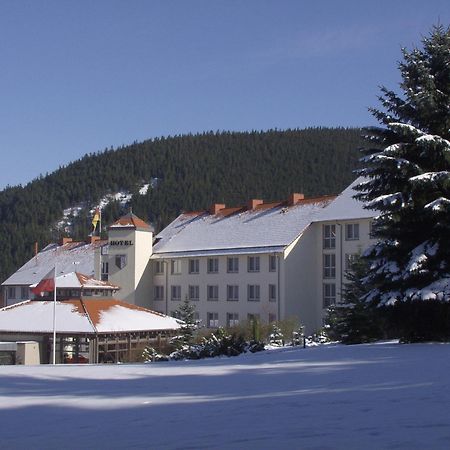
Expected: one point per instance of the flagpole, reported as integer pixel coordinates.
(54, 319)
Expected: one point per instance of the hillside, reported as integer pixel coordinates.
(186, 172)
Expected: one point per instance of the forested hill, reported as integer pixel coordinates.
(192, 171)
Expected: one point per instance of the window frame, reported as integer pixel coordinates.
(256, 288)
(253, 264)
(329, 236)
(329, 267)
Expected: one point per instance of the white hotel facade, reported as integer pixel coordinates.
(268, 261)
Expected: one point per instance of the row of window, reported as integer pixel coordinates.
(13, 291)
(329, 234)
(212, 293)
(212, 265)
(232, 318)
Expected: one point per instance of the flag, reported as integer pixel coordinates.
(47, 284)
(96, 218)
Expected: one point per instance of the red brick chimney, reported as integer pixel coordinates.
(65, 240)
(253, 203)
(216, 207)
(295, 198)
(93, 239)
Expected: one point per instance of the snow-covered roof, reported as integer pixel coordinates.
(77, 280)
(265, 227)
(131, 221)
(345, 207)
(82, 316)
(70, 257)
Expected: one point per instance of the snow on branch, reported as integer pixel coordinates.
(430, 177)
(438, 205)
(437, 290)
(386, 201)
(406, 130)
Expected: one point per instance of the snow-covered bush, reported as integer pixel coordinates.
(276, 337)
(149, 354)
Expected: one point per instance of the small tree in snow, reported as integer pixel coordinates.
(408, 182)
(186, 313)
(276, 336)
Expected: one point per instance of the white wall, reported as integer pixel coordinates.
(242, 279)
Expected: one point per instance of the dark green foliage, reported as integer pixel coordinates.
(418, 321)
(354, 320)
(408, 181)
(193, 172)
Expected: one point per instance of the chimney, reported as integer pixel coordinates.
(295, 198)
(216, 207)
(253, 203)
(93, 239)
(65, 240)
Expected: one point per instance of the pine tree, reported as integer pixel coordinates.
(276, 336)
(407, 181)
(354, 321)
(186, 313)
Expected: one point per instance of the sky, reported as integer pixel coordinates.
(80, 77)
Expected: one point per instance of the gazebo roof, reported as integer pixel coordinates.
(82, 316)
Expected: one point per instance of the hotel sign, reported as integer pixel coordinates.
(120, 243)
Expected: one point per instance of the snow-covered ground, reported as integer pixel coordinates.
(380, 396)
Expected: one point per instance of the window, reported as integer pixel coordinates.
(272, 292)
(213, 265)
(159, 267)
(329, 294)
(175, 292)
(121, 261)
(329, 265)
(253, 292)
(349, 258)
(24, 292)
(194, 265)
(12, 292)
(272, 263)
(105, 271)
(253, 317)
(352, 231)
(175, 267)
(212, 293)
(212, 320)
(232, 293)
(233, 265)
(196, 317)
(371, 229)
(329, 236)
(194, 293)
(253, 264)
(232, 319)
(158, 292)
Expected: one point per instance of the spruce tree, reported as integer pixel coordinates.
(406, 170)
(353, 320)
(185, 312)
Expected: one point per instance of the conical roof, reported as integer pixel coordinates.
(130, 220)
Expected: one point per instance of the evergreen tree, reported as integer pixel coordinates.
(407, 181)
(185, 312)
(276, 336)
(354, 321)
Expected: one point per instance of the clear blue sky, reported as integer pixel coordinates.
(80, 76)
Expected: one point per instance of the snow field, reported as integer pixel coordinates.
(375, 396)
